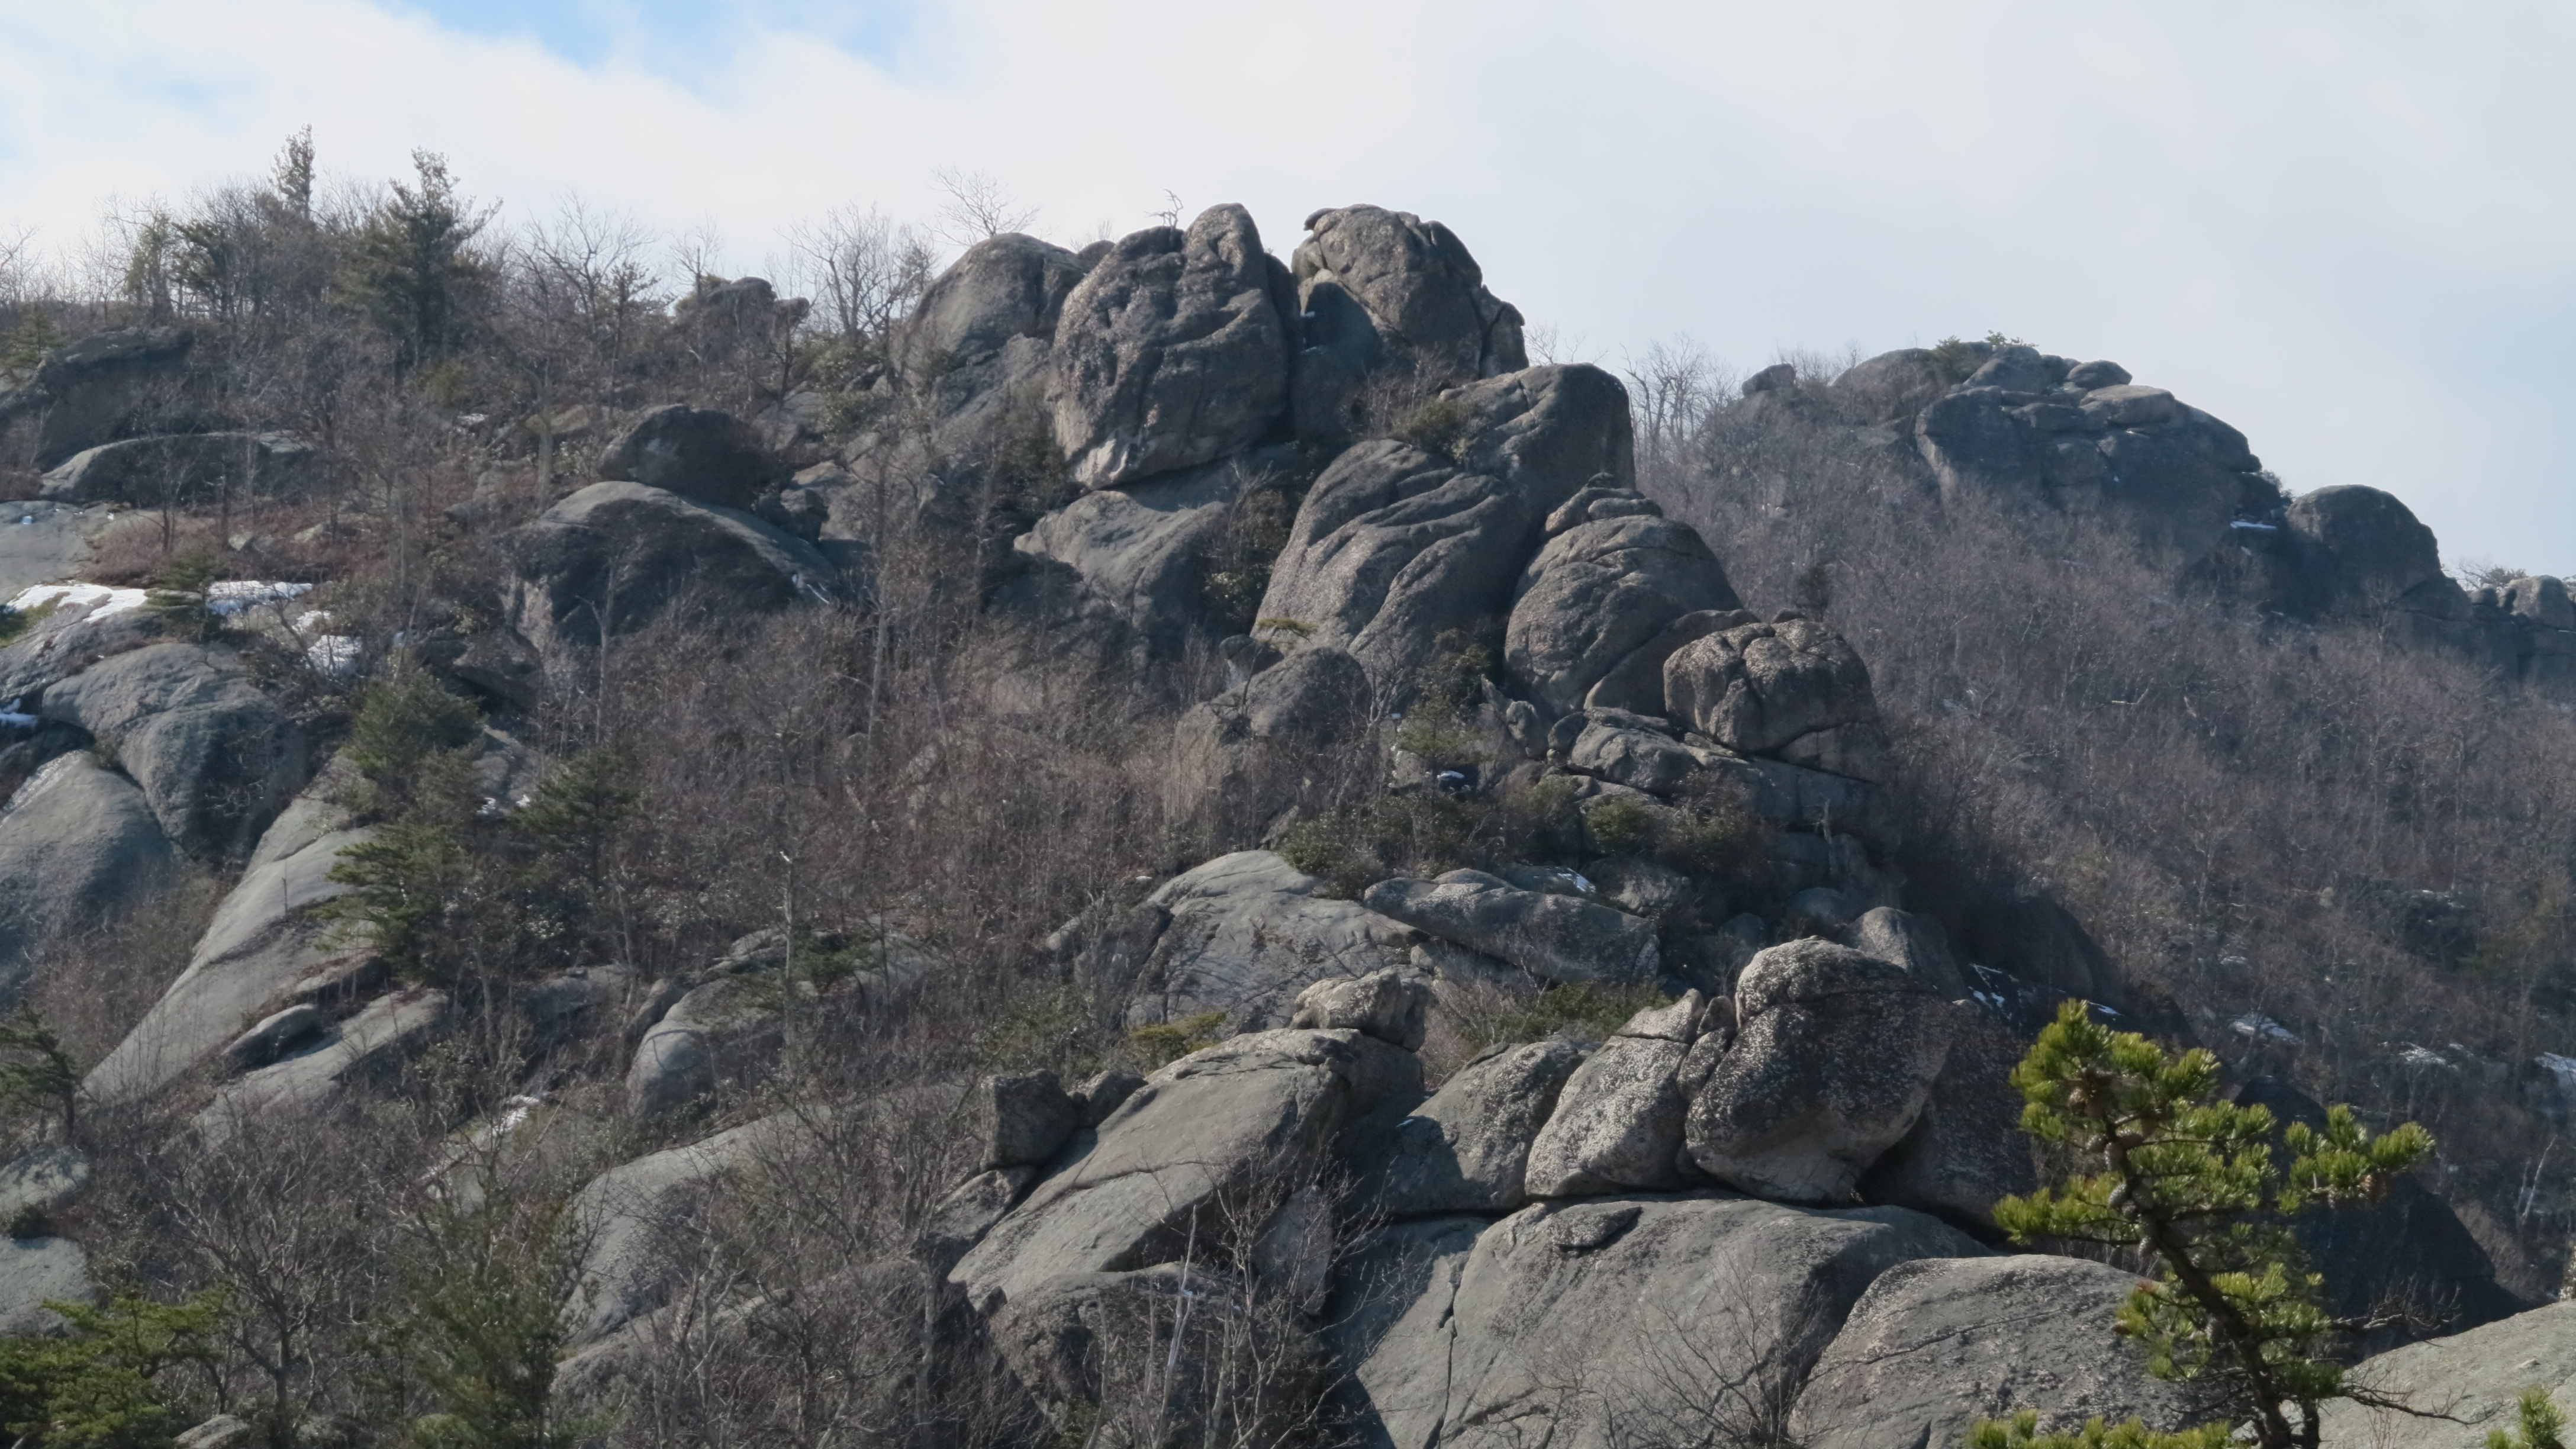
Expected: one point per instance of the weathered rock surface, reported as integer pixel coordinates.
(1939, 1343)
(2474, 1377)
(183, 469)
(42, 1181)
(79, 849)
(34, 1271)
(1000, 289)
(616, 557)
(1134, 557)
(1027, 1118)
(702, 454)
(961, 1219)
(367, 1052)
(1914, 942)
(1554, 937)
(720, 1031)
(1282, 741)
(1758, 688)
(1467, 1148)
(1390, 1005)
(1967, 1149)
(1618, 1122)
(1383, 292)
(1253, 1114)
(1396, 545)
(1243, 935)
(1604, 1321)
(1599, 592)
(216, 759)
(111, 385)
(2364, 550)
(1835, 1059)
(1170, 353)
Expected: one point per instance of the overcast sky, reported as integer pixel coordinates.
(2347, 227)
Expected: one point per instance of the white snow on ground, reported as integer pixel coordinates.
(2563, 1068)
(334, 654)
(2426, 1057)
(2263, 1028)
(234, 595)
(101, 600)
(13, 718)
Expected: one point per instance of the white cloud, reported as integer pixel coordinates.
(2343, 227)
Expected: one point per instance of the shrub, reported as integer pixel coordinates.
(99, 1383)
(1438, 427)
(1161, 1043)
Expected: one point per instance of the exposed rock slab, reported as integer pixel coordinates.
(1467, 1148)
(1597, 593)
(1618, 1122)
(34, 1271)
(2475, 1377)
(79, 848)
(215, 757)
(184, 468)
(618, 556)
(1282, 741)
(699, 453)
(1244, 934)
(1554, 937)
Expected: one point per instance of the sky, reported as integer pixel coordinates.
(2348, 227)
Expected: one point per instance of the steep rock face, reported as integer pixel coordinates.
(1939, 1343)
(1280, 742)
(1255, 1114)
(616, 556)
(1129, 564)
(1384, 292)
(1836, 1059)
(1467, 1148)
(1618, 1122)
(215, 757)
(2367, 551)
(115, 384)
(1774, 689)
(1553, 937)
(183, 469)
(1603, 1321)
(1171, 352)
(1598, 592)
(1396, 546)
(1242, 935)
(79, 848)
(366, 1052)
(1002, 288)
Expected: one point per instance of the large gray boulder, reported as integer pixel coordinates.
(79, 849)
(2473, 1377)
(36, 1271)
(1244, 935)
(1967, 1150)
(1131, 562)
(1286, 740)
(111, 385)
(1251, 1118)
(1793, 689)
(703, 454)
(1553, 937)
(2365, 550)
(1397, 544)
(1599, 592)
(42, 1181)
(616, 557)
(1939, 1343)
(183, 468)
(1391, 1005)
(1618, 1123)
(1608, 1321)
(1835, 1060)
(1467, 1148)
(261, 941)
(723, 1030)
(1170, 353)
(1000, 289)
(215, 757)
(1386, 293)
(365, 1053)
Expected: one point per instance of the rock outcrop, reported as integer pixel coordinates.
(215, 757)
(1243, 936)
(703, 454)
(185, 468)
(1385, 294)
(1552, 937)
(79, 849)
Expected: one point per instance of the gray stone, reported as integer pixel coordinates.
(2127, 405)
(2096, 374)
(111, 385)
(619, 556)
(1028, 1118)
(2017, 367)
(215, 757)
(1820, 910)
(1618, 1123)
(35, 1271)
(1638, 759)
(1284, 741)
(1671, 1320)
(1389, 1005)
(1395, 545)
(1757, 688)
(70, 637)
(1256, 1113)
(42, 1181)
(261, 941)
(1913, 942)
(2543, 601)
(1967, 1151)
(1170, 353)
(79, 849)
(1553, 937)
(2364, 549)
(1643, 887)
(1243, 935)
(1836, 1058)
(1939, 1343)
(223, 1431)
(1636, 683)
(698, 453)
(268, 1040)
(723, 1031)
(960, 1220)
(1597, 593)
(1001, 288)
(184, 469)
(1385, 290)
(1133, 557)
(363, 1054)
(1105, 1094)
(1466, 1149)
(568, 1002)
(2474, 1377)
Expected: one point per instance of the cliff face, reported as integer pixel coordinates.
(1531, 1008)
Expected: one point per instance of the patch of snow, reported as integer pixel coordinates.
(2254, 1026)
(2420, 1057)
(1576, 879)
(1989, 998)
(11, 718)
(27, 519)
(1446, 776)
(232, 596)
(2238, 962)
(336, 655)
(101, 600)
(2252, 527)
(2562, 1068)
